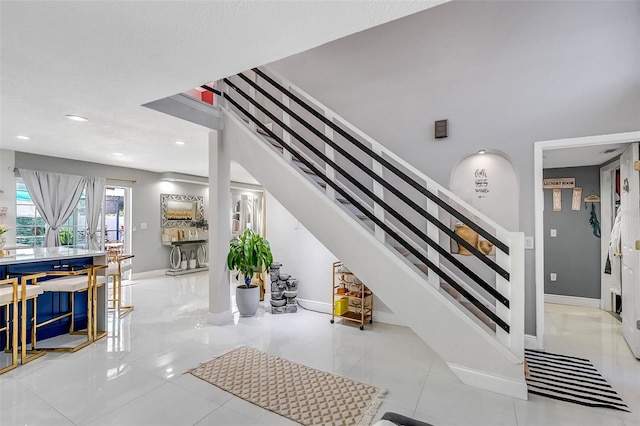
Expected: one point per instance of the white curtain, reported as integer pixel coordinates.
(55, 195)
(95, 197)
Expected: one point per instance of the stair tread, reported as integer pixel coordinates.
(402, 250)
(422, 267)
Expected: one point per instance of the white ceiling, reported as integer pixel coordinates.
(593, 155)
(103, 59)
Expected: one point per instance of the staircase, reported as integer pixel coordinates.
(390, 223)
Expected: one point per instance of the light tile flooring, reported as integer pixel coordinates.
(136, 375)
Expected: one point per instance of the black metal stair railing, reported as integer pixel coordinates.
(421, 234)
(459, 215)
(366, 212)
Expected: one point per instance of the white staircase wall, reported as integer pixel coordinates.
(473, 354)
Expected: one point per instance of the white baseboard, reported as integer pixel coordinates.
(482, 380)
(531, 342)
(221, 318)
(387, 318)
(313, 305)
(148, 274)
(326, 308)
(585, 302)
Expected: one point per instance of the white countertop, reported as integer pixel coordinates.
(41, 254)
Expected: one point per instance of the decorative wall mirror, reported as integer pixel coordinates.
(247, 209)
(178, 211)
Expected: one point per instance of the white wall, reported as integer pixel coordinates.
(8, 198)
(301, 254)
(505, 74)
(146, 243)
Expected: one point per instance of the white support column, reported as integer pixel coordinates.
(378, 191)
(434, 233)
(220, 229)
(513, 290)
(330, 153)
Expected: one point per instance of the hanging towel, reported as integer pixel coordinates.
(614, 247)
(593, 220)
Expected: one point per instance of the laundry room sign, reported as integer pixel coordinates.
(553, 183)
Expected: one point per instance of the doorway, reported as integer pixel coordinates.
(556, 146)
(117, 219)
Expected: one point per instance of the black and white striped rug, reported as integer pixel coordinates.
(570, 379)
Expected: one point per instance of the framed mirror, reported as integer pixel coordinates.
(178, 211)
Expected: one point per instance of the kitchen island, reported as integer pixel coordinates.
(16, 262)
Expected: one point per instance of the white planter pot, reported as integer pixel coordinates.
(247, 299)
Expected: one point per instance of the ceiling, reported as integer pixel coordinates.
(592, 155)
(104, 59)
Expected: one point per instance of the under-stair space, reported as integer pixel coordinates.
(390, 223)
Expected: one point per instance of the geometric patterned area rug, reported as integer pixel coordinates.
(297, 392)
(570, 379)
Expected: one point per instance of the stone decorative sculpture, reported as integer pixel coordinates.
(284, 291)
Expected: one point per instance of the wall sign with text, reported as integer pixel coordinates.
(552, 183)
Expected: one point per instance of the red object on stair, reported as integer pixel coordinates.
(207, 97)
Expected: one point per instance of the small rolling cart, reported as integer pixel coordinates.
(352, 300)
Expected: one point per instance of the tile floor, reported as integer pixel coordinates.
(136, 375)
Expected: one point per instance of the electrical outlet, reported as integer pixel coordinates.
(553, 276)
(554, 233)
(143, 226)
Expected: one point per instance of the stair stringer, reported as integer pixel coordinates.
(474, 355)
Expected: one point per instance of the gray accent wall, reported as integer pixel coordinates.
(574, 253)
(504, 73)
(146, 244)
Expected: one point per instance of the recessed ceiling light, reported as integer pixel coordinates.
(76, 117)
(179, 142)
(482, 151)
(23, 137)
(117, 154)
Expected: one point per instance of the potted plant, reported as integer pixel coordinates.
(248, 253)
(3, 240)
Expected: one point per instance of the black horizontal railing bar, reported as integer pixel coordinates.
(499, 321)
(486, 260)
(499, 244)
(211, 89)
(492, 291)
(423, 236)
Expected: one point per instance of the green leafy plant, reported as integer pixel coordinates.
(66, 236)
(248, 253)
(3, 229)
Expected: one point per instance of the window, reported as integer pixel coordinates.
(31, 227)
